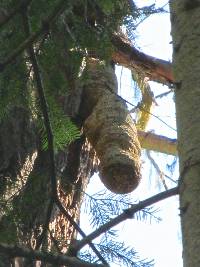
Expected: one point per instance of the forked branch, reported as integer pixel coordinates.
(127, 214)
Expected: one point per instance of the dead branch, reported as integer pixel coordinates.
(128, 56)
(158, 143)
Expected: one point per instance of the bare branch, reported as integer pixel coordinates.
(127, 214)
(128, 56)
(156, 167)
(155, 116)
(16, 251)
(159, 143)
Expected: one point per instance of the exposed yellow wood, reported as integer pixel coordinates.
(159, 143)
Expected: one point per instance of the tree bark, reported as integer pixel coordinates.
(158, 143)
(127, 55)
(25, 185)
(185, 19)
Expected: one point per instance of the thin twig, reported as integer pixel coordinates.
(120, 80)
(141, 108)
(164, 94)
(127, 214)
(136, 106)
(45, 26)
(155, 165)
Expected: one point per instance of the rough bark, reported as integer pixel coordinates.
(18, 153)
(18, 150)
(185, 19)
(25, 182)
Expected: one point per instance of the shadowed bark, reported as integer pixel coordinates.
(31, 200)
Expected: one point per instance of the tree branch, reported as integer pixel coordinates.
(156, 167)
(158, 143)
(155, 116)
(128, 56)
(127, 214)
(16, 251)
(125, 54)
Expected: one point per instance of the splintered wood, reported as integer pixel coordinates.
(111, 130)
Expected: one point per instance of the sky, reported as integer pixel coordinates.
(159, 241)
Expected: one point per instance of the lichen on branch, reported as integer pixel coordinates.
(111, 130)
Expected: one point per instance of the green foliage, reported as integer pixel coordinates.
(38, 11)
(32, 200)
(63, 129)
(12, 89)
(8, 225)
(102, 206)
(14, 78)
(138, 15)
(118, 253)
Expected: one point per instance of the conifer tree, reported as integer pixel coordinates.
(62, 120)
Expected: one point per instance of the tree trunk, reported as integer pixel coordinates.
(185, 19)
(26, 188)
